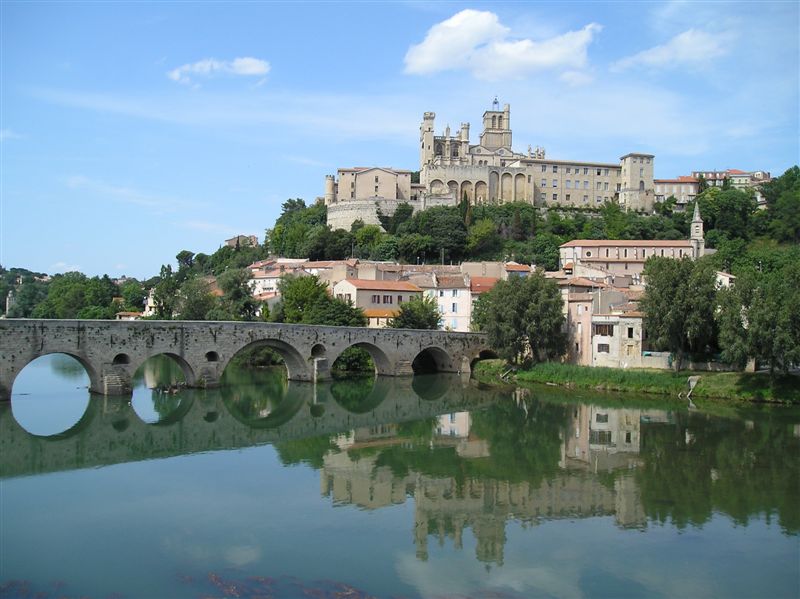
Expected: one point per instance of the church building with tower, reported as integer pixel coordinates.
(452, 168)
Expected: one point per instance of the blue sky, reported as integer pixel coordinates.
(131, 131)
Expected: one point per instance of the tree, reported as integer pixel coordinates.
(133, 293)
(758, 318)
(306, 300)
(165, 293)
(679, 305)
(195, 300)
(237, 298)
(482, 239)
(523, 318)
(418, 313)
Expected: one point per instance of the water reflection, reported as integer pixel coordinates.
(470, 460)
(44, 409)
(159, 394)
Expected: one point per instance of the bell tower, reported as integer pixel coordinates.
(696, 235)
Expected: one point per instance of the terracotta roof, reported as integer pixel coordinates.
(569, 266)
(451, 282)
(736, 171)
(581, 282)
(678, 180)
(645, 243)
(319, 264)
(128, 314)
(262, 297)
(383, 285)
(380, 313)
(513, 266)
(482, 284)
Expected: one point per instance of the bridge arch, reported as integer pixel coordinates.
(433, 359)
(95, 380)
(383, 365)
(189, 375)
(296, 366)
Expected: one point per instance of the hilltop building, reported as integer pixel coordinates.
(490, 171)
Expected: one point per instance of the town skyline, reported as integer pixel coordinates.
(193, 126)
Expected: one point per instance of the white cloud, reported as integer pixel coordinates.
(692, 48)
(244, 66)
(477, 41)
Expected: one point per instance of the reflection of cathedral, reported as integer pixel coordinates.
(596, 440)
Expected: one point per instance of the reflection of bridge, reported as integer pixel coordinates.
(110, 432)
(111, 351)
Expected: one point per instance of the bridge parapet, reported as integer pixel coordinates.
(112, 351)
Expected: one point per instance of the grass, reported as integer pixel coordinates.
(737, 386)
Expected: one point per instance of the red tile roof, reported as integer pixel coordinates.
(482, 284)
(380, 313)
(645, 243)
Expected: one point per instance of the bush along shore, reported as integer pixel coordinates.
(736, 386)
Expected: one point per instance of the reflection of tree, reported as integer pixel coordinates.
(254, 393)
(702, 465)
(523, 439)
(353, 394)
(67, 367)
(165, 404)
(309, 451)
(353, 359)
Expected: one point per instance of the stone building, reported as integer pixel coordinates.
(490, 171)
(683, 189)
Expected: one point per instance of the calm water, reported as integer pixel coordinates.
(391, 488)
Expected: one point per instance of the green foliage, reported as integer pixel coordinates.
(353, 359)
(195, 300)
(523, 318)
(290, 235)
(418, 313)
(679, 304)
(759, 318)
(74, 295)
(237, 300)
(133, 294)
(306, 300)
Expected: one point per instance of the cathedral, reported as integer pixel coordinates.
(452, 168)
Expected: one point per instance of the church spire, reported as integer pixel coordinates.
(696, 236)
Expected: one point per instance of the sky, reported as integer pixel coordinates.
(132, 131)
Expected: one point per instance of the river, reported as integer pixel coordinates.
(430, 487)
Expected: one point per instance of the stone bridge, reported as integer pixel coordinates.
(110, 431)
(112, 351)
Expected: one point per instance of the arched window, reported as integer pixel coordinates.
(499, 122)
(641, 185)
(494, 122)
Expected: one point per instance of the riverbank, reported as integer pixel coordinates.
(734, 386)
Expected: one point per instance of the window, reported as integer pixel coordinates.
(602, 348)
(605, 172)
(600, 437)
(586, 185)
(585, 170)
(644, 253)
(555, 197)
(544, 168)
(376, 178)
(376, 190)
(455, 292)
(352, 184)
(641, 172)
(628, 437)
(599, 199)
(599, 185)
(568, 197)
(544, 182)
(601, 418)
(387, 299)
(630, 332)
(606, 252)
(588, 254)
(555, 168)
(598, 172)
(441, 293)
(568, 183)
(543, 196)
(625, 252)
(606, 330)
(569, 170)
(529, 179)
(585, 199)
(376, 299)
(455, 308)
(605, 186)
(399, 299)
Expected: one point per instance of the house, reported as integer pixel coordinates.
(380, 300)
